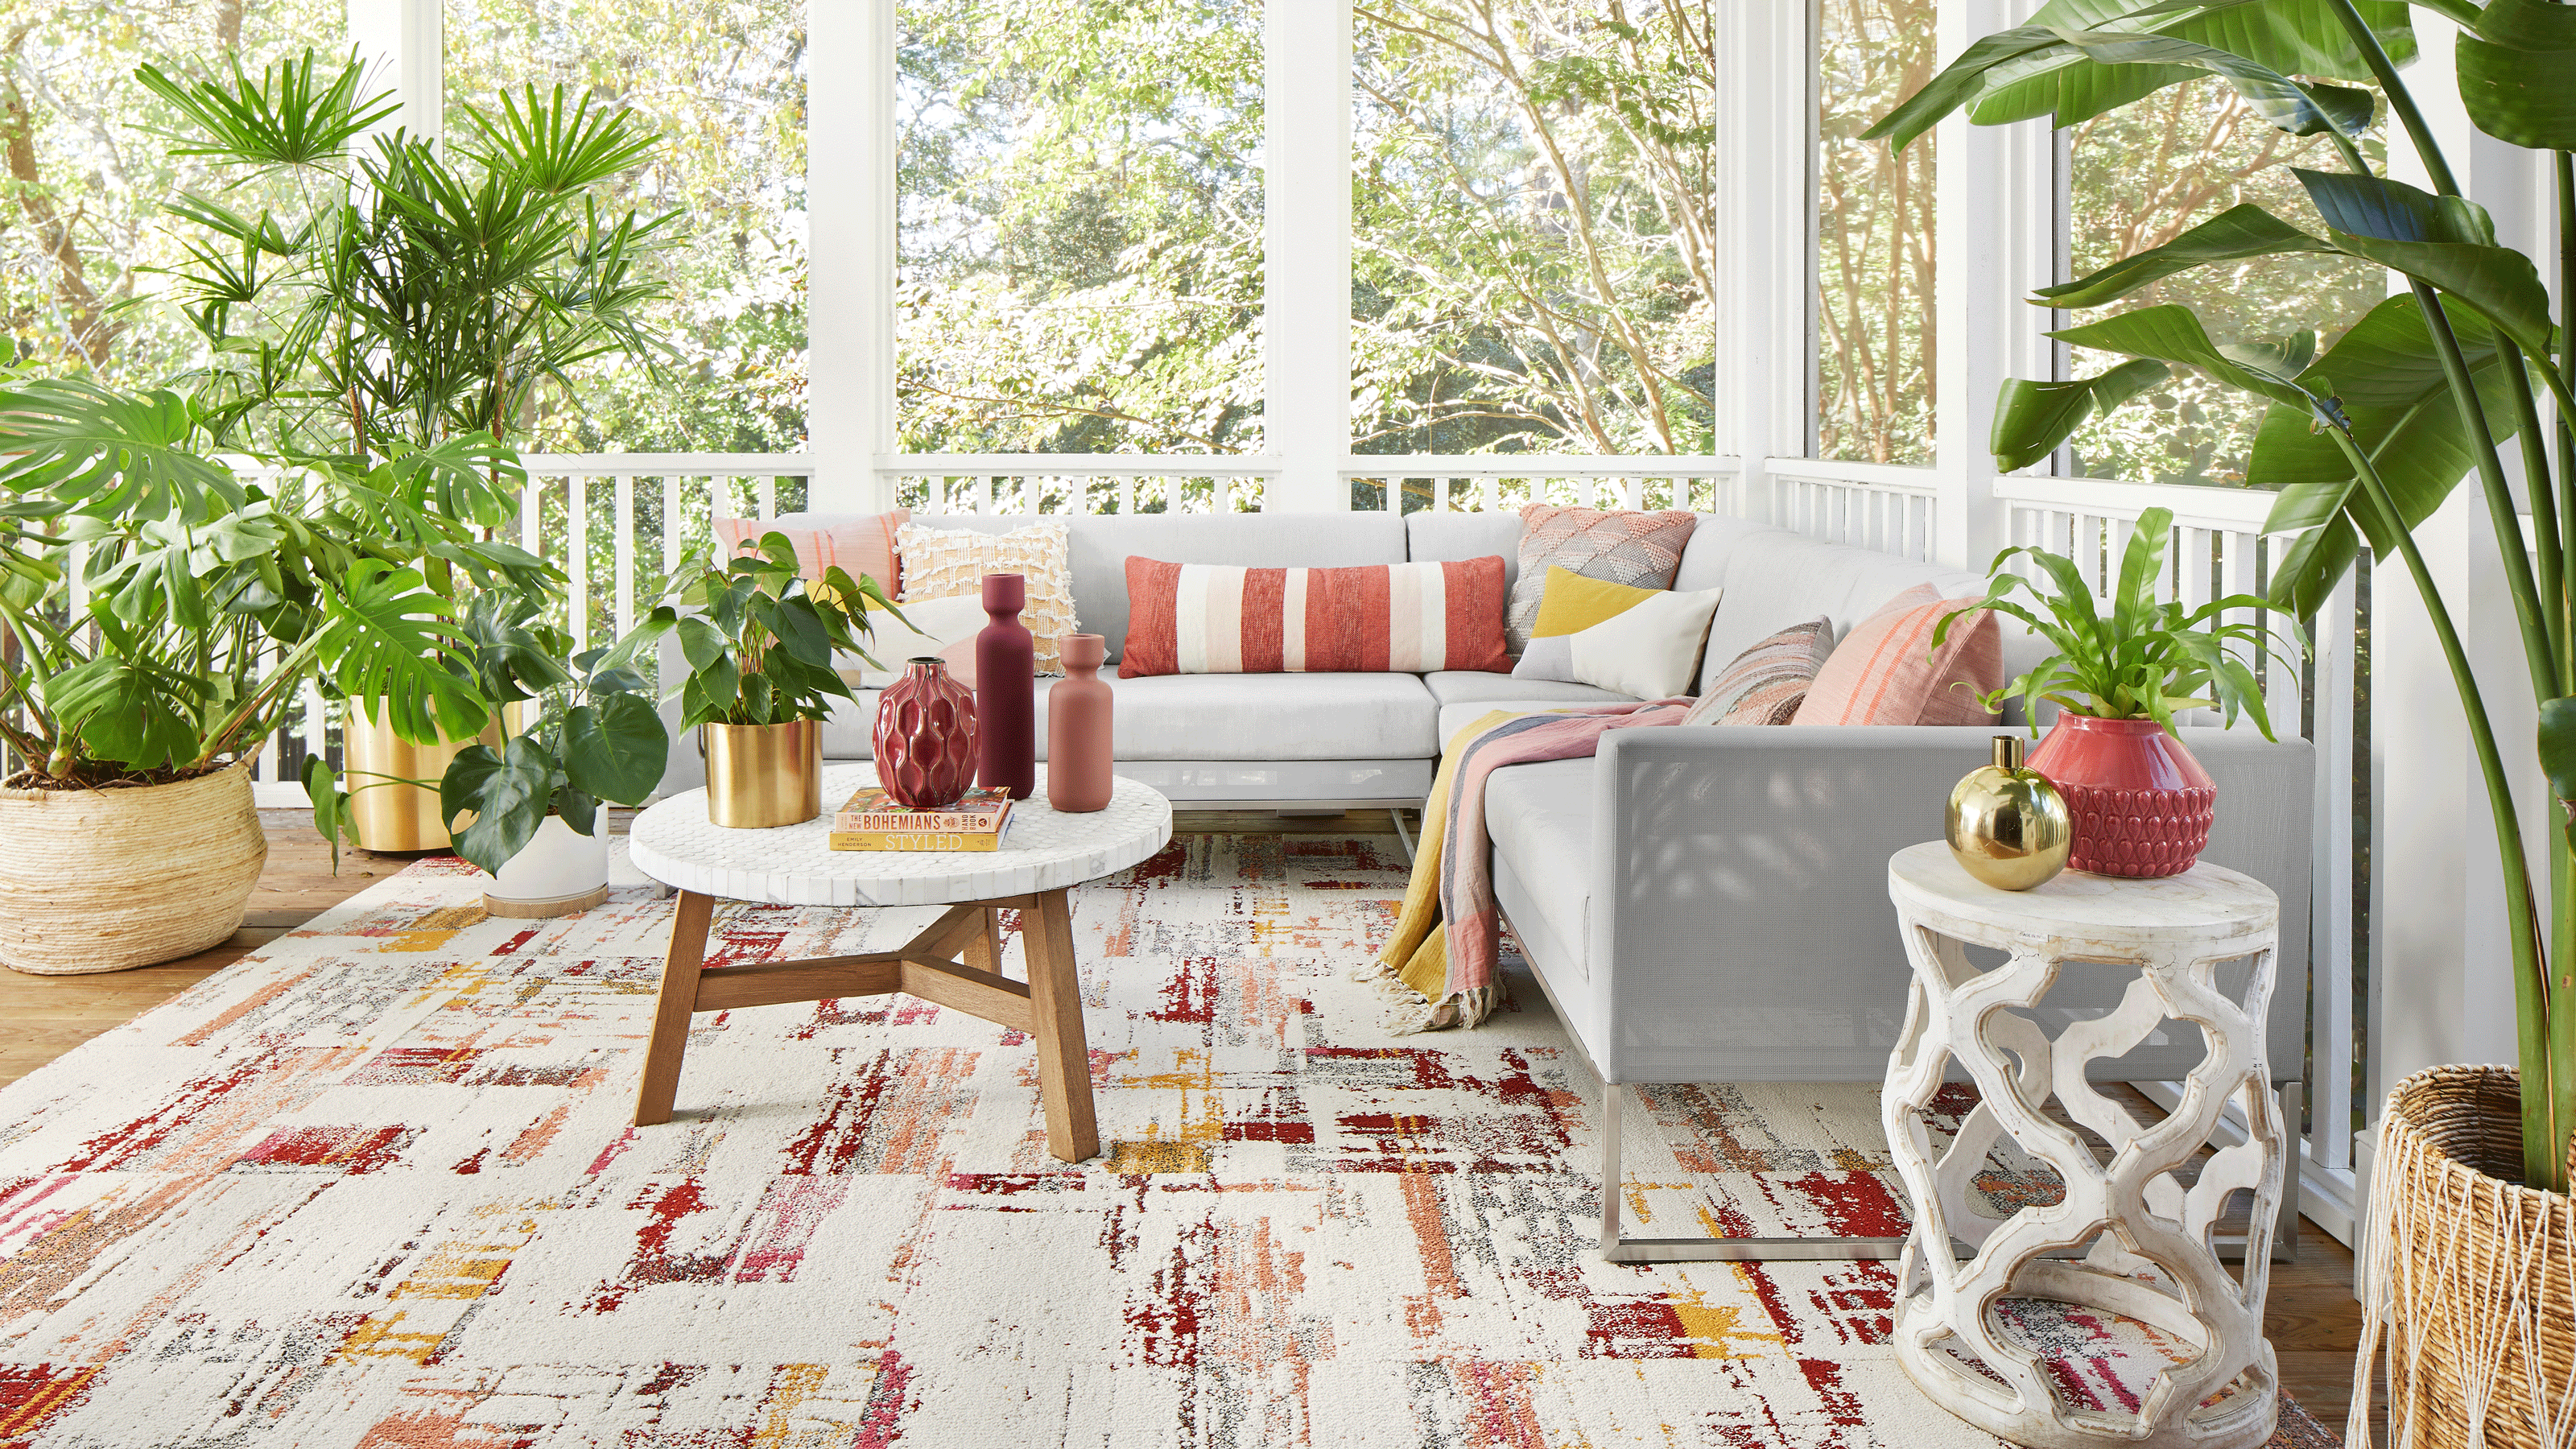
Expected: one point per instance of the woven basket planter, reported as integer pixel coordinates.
(107, 880)
(2472, 1274)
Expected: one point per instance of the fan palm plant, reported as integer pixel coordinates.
(2368, 439)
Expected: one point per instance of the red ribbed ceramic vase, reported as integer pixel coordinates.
(2141, 804)
(925, 736)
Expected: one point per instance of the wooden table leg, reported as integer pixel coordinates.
(984, 952)
(672, 1009)
(1055, 1005)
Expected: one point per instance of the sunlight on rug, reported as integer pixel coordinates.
(376, 1186)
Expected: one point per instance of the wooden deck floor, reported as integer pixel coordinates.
(2312, 1318)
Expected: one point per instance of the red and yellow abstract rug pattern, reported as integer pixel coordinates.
(376, 1186)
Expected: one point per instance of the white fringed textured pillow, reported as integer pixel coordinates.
(944, 563)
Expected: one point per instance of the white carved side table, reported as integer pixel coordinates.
(2151, 1257)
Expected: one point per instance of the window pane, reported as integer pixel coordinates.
(1530, 232)
(723, 83)
(1079, 227)
(2139, 177)
(1873, 324)
(80, 202)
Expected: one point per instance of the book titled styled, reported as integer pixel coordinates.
(871, 820)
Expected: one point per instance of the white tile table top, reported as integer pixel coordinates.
(2204, 901)
(794, 865)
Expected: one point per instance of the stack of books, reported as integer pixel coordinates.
(872, 820)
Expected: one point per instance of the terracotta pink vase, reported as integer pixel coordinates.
(925, 736)
(1078, 727)
(2141, 804)
(1006, 691)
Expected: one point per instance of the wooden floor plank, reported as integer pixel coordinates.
(2311, 1316)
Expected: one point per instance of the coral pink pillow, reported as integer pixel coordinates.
(1886, 672)
(1374, 619)
(861, 544)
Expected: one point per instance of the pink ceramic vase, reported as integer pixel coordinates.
(1078, 728)
(1006, 691)
(2140, 803)
(925, 736)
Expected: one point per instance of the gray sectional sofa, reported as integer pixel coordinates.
(1700, 904)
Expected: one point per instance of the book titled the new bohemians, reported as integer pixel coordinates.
(871, 820)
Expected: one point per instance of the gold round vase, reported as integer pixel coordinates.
(760, 777)
(2007, 825)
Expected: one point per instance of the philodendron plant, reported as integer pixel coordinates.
(576, 730)
(2367, 440)
(2146, 658)
(758, 640)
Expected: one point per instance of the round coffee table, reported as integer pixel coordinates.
(1045, 853)
(2151, 1257)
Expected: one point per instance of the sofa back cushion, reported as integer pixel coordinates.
(1100, 545)
(1441, 537)
(1409, 618)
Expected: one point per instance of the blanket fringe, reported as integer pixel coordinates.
(1407, 1012)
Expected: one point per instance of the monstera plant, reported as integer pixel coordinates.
(2363, 442)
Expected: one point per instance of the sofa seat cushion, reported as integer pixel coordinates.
(1467, 686)
(1456, 717)
(1228, 717)
(1540, 817)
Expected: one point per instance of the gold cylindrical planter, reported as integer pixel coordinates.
(398, 817)
(392, 816)
(763, 776)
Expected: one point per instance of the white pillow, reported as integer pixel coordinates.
(936, 624)
(1650, 650)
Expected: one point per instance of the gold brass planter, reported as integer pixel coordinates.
(763, 776)
(391, 816)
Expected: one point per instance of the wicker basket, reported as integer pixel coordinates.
(107, 880)
(2473, 1274)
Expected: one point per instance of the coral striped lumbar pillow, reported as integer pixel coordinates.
(1374, 619)
(1887, 672)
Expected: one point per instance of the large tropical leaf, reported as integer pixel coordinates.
(615, 748)
(2234, 235)
(2385, 379)
(128, 711)
(507, 791)
(2515, 73)
(2172, 333)
(387, 644)
(2033, 418)
(2444, 241)
(112, 454)
(2037, 70)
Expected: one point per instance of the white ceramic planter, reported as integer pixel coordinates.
(559, 873)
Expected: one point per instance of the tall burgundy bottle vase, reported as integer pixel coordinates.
(1006, 681)
(1078, 728)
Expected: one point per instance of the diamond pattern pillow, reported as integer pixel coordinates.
(943, 563)
(1766, 683)
(1642, 550)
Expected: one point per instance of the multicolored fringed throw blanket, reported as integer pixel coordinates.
(1437, 968)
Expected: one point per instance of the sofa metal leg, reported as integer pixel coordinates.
(2285, 1233)
(1402, 835)
(1705, 1249)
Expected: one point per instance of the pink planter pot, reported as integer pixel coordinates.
(2140, 803)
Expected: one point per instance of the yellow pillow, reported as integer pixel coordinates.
(1573, 603)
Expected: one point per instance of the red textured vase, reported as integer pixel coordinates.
(2140, 803)
(925, 736)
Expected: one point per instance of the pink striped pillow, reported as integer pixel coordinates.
(1886, 672)
(1375, 619)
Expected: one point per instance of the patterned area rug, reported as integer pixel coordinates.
(376, 1186)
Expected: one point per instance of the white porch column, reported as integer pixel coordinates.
(1765, 226)
(1306, 243)
(850, 253)
(2443, 968)
(1992, 196)
(404, 45)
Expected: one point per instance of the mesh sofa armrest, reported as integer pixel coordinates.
(1740, 928)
